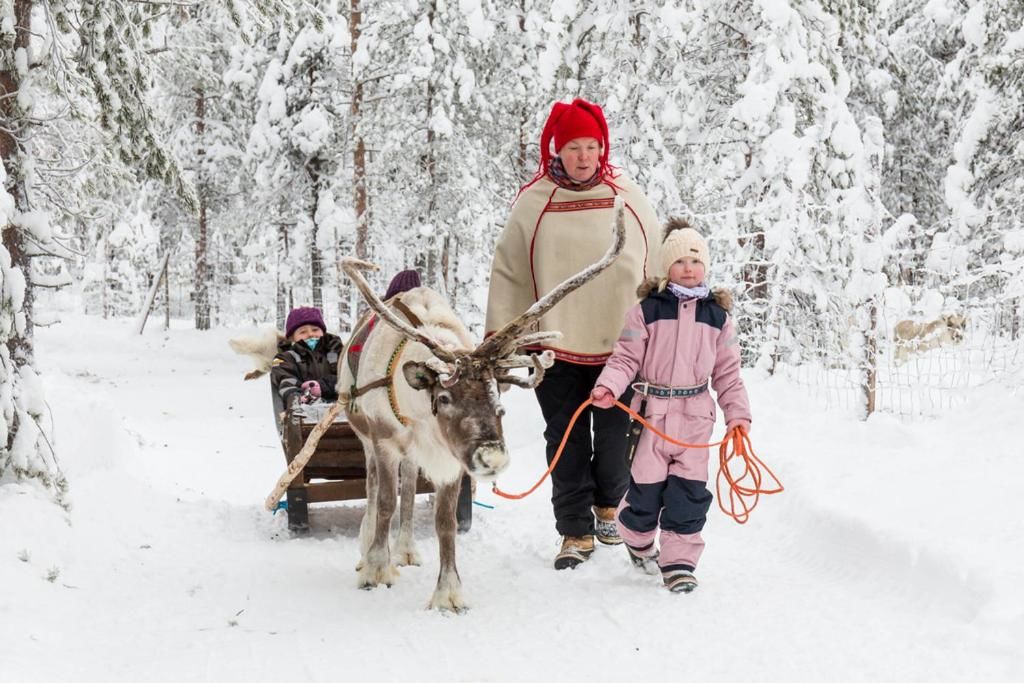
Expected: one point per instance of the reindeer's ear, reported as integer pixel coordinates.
(418, 375)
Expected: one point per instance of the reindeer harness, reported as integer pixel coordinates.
(355, 351)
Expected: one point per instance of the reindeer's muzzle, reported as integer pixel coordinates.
(488, 460)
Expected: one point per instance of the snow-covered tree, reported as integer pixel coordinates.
(54, 49)
(25, 450)
(299, 136)
(211, 121)
(442, 137)
(984, 184)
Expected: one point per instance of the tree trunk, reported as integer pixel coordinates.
(282, 307)
(451, 274)
(20, 452)
(105, 285)
(446, 288)
(524, 118)
(20, 343)
(871, 361)
(345, 318)
(755, 271)
(872, 235)
(202, 283)
(761, 314)
(167, 299)
(1016, 311)
(433, 271)
(359, 199)
(316, 261)
(12, 130)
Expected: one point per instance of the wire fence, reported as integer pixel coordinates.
(921, 377)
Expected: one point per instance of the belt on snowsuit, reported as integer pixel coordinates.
(636, 426)
(660, 391)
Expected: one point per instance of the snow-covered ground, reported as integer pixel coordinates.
(895, 553)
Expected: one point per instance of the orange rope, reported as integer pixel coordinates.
(745, 496)
(739, 493)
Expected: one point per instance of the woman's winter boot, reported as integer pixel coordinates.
(575, 551)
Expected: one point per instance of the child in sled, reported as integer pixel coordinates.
(306, 364)
(676, 339)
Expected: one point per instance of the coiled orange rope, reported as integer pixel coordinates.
(743, 497)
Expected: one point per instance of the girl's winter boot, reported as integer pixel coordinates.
(679, 580)
(645, 559)
(604, 526)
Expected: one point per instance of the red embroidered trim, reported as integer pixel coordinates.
(642, 232)
(533, 242)
(359, 338)
(582, 204)
(577, 358)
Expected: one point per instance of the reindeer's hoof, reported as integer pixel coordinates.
(370, 577)
(408, 558)
(448, 601)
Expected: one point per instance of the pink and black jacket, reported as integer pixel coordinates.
(670, 342)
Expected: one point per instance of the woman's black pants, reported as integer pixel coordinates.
(592, 470)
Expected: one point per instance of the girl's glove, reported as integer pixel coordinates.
(602, 397)
(742, 425)
(310, 391)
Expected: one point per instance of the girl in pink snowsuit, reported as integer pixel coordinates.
(676, 339)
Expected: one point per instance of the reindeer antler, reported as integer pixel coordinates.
(546, 358)
(507, 339)
(540, 363)
(353, 266)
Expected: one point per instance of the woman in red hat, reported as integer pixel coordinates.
(561, 223)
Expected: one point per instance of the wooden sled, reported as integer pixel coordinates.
(337, 469)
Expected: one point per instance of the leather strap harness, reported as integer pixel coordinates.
(363, 330)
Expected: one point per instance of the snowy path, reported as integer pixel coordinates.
(890, 556)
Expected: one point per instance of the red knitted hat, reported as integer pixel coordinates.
(581, 119)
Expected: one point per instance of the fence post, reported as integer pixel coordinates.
(161, 274)
(871, 360)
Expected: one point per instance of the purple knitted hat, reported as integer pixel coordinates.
(403, 282)
(304, 315)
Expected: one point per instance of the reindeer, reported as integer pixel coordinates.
(426, 398)
(917, 337)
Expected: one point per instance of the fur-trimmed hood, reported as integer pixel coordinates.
(722, 297)
(649, 285)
